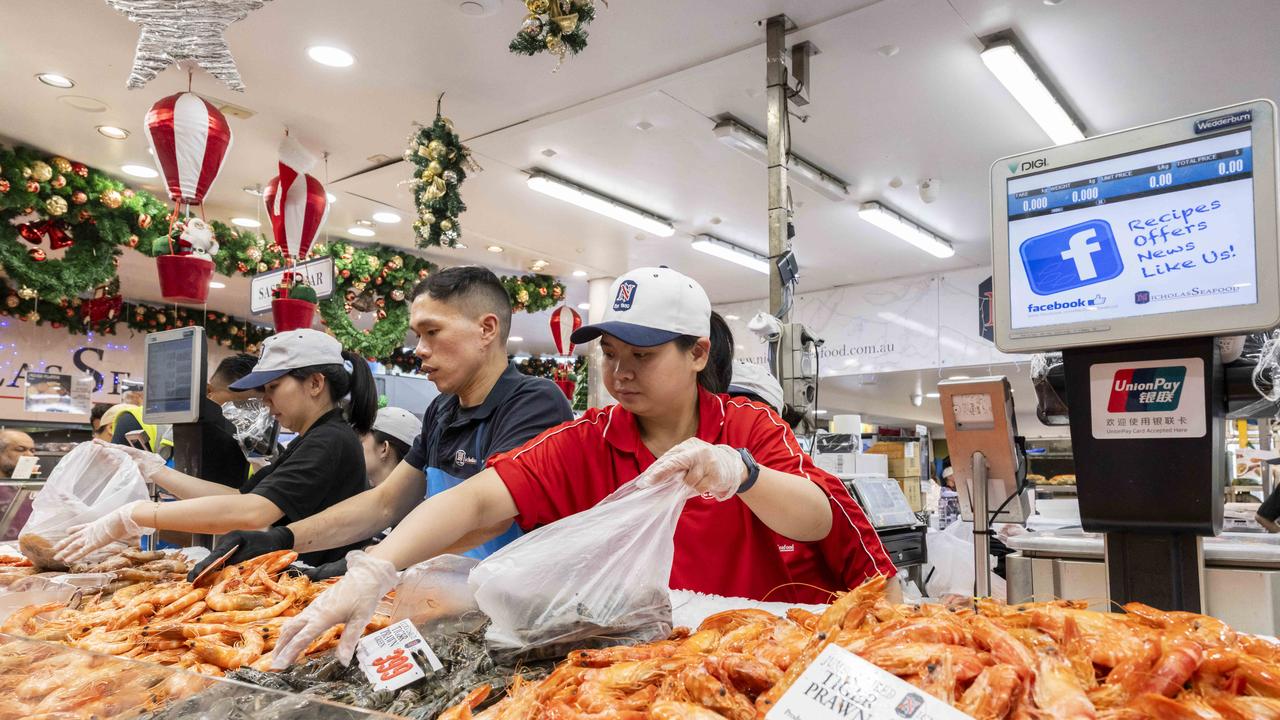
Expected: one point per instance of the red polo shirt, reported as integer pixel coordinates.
(721, 548)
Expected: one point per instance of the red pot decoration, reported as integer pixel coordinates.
(190, 139)
(566, 387)
(184, 278)
(289, 314)
(563, 322)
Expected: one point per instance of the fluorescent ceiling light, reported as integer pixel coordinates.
(361, 231)
(1033, 93)
(217, 285)
(245, 222)
(819, 412)
(959, 377)
(903, 228)
(933, 395)
(113, 132)
(579, 273)
(750, 142)
(494, 248)
(56, 80)
(731, 317)
(597, 203)
(515, 338)
(139, 171)
(728, 251)
(331, 56)
(384, 216)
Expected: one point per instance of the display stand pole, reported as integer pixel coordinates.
(779, 150)
(981, 528)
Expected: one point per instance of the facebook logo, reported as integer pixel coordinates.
(1071, 257)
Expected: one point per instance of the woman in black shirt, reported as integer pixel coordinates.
(306, 378)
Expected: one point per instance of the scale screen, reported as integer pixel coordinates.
(1161, 231)
(882, 500)
(174, 376)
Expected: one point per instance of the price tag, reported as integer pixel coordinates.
(842, 685)
(390, 657)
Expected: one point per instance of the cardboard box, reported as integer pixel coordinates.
(911, 488)
(904, 450)
(904, 467)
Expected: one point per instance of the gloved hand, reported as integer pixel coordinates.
(351, 601)
(712, 470)
(252, 544)
(327, 570)
(148, 463)
(84, 539)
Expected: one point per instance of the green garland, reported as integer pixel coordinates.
(555, 26)
(379, 276)
(533, 293)
(97, 213)
(440, 163)
(580, 387)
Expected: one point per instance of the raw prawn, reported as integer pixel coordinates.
(992, 693)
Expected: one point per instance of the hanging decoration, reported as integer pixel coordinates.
(555, 26)
(579, 401)
(563, 322)
(533, 293)
(441, 163)
(174, 30)
(88, 233)
(372, 279)
(295, 201)
(104, 306)
(190, 139)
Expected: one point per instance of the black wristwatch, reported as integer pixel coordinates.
(753, 470)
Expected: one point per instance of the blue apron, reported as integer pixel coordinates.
(438, 481)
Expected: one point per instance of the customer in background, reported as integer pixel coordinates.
(14, 444)
(393, 433)
(757, 384)
(101, 430)
(949, 500)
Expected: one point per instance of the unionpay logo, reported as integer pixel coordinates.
(1071, 257)
(626, 295)
(1152, 389)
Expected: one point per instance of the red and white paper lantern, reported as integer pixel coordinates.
(297, 204)
(564, 320)
(190, 139)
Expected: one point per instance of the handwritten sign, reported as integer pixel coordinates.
(842, 685)
(317, 273)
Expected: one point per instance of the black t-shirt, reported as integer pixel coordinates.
(221, 459)
(517, 409)
(320, 468)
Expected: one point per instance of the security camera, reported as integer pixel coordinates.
(929, 189)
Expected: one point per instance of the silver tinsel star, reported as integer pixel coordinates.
(174, 30)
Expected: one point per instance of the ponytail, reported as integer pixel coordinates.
(716, 376)
(362, 406)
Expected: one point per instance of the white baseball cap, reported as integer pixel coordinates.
(398, 423)
(291, 350)
(756, 380)
(652, 306)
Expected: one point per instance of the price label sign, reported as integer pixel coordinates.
(390, 657)
(839, 684)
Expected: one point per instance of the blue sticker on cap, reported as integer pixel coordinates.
(626, 295)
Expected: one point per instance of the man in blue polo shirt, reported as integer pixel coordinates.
(462, 317)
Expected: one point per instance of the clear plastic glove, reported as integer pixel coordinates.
(84, 539)
(148, 463)
(351, 601)
(715, 471)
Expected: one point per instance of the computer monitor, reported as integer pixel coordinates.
(175, 371)
(1161, 231)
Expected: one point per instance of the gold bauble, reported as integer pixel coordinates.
(32, 316)
(55, 206)
(435, 150)
(446, 225)
(61, 164)
(434, 167)
(522, 297)
(11, 301)
(111, 198)
(435, 189)
(428, 219)
(537, 7)
(41, 172)
(423, 151)
(553, 42)
(27, 293)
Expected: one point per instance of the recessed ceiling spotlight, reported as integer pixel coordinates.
(113, 132)
(245, 222)
(331, 56)
(83, 103)
(584, 306)
(139, 171)
(888, 50)
(515, 338)
(548, 152)
(255, 190)
(579, 273)
(731, 317)
(494, 248)
(538, 265)
(933, 395)
(644, 126)
(56, 80)
(361, 231)
(331, 198)
(716, 221)
(384, 216)
(479, 8)
(214, 284)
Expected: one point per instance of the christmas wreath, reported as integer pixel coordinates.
(373, 279)
(440, 163)
(555, 26)
(533, 293)
(74, 207)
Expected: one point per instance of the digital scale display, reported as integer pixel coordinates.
(1162, 230)
(169, 381)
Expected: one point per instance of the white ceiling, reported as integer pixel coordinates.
(929, 111)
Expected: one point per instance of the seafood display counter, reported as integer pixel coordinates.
(1242, 574)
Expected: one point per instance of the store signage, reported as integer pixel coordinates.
(1150, 399)
(839, 684)
(389, 657)
(317, 273)
(57, 393)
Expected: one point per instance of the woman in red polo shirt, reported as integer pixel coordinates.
(783, 529)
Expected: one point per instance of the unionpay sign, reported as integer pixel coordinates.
(1150, 399)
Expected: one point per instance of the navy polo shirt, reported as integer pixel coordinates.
(517, 409)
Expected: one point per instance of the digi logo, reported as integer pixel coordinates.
(1071, 257)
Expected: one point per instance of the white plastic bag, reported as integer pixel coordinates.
(593, 579)
(950, 567)
(89, 482)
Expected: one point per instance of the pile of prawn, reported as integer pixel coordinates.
(1023, 662)
(232, 623)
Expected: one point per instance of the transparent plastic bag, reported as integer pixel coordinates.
(593, 579)
(255, 428)
(89, 482)
(436, 596)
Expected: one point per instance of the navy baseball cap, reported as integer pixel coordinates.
(652, 306)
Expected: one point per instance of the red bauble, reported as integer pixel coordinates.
(33, 186)
(56, 325)
(80, 169)
(144, 221)
(346, 273)
(37, 254)
(4, 185)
